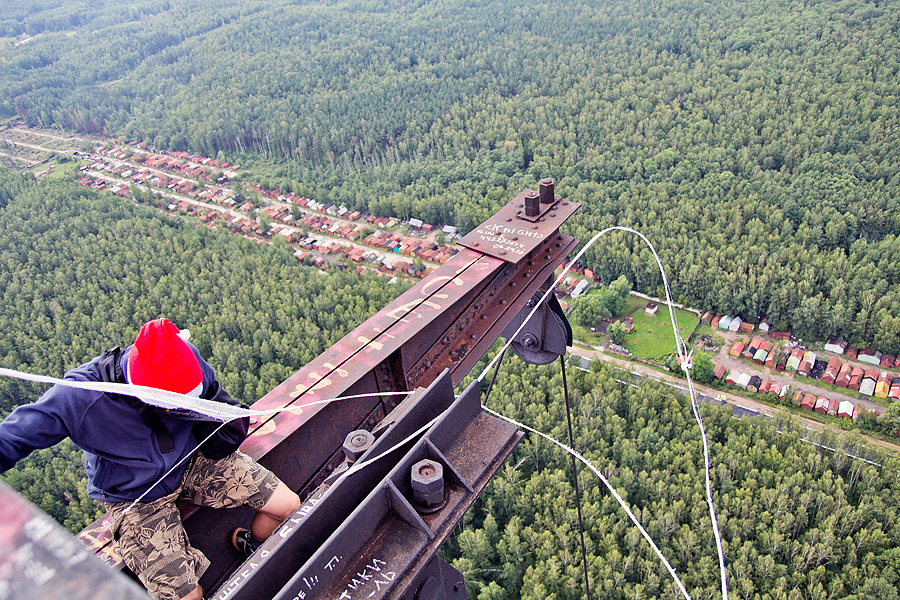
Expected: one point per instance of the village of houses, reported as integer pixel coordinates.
(315, 230)
(201, 187)
(770, 358)
(341, 230)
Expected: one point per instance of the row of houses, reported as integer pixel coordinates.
(180, 185)
(871, 356)
(806, 400)
(172, 161)
(759, 351)
(326, 208)
(326, 222)
(869, 382)
(181, 163)
(101, 184)
(180, 155)
(418, 248)
(730, 323)
(386, 264)
(246, 226)
(409, 246)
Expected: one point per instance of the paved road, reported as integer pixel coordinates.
(740, 405)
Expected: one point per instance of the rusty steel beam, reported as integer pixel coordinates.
(321, 551)
(446, 321)
(40, 559)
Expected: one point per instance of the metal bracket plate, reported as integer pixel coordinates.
(363, 538)
(510, 236)
(40, 559)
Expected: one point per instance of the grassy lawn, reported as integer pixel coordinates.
(652, 336)
(632, 302)
(580, 332)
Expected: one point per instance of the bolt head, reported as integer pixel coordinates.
(427, 480)
(357, 442)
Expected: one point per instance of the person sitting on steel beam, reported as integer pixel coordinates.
(131, 447)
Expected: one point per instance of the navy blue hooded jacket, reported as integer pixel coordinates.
(122, 458)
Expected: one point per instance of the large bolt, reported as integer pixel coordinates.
(357, 442)
(427, 477)
(546, 190)
(532, 203)
(529, 341)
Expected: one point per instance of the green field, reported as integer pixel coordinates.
(652, 336)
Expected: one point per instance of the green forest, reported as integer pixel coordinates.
(81, 272)
(756, 143)
(797, 522)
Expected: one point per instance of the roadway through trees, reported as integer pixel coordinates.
(732, 399)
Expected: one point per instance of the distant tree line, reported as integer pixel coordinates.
(755, 144)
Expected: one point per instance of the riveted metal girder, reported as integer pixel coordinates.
(446, 322)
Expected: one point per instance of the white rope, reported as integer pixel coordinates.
(611, 489)
(683, 354)
(226, 413)
(217, 411)
(170, 400)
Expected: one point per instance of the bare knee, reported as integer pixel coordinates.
(282, 504)
(195, 594)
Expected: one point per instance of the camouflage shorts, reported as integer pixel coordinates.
(150, 538)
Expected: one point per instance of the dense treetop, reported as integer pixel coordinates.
(797, 522)
(755, 142)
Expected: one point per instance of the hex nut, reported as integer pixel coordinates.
(357, 442)
(427, 478)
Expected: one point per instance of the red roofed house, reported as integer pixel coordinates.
(808, 402)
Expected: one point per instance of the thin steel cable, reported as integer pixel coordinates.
(609, 487)
(175, 466)
(680, 349)
(587, 587)
(487, 394)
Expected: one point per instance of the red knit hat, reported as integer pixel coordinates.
(160, 358)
